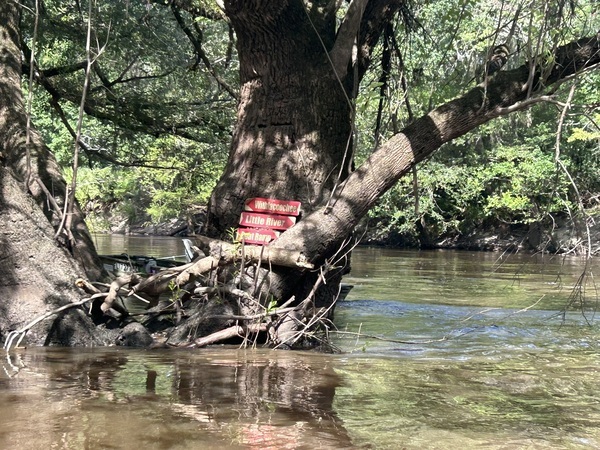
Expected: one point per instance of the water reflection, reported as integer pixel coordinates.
(519, 399)
(121, 398)
(506, 374)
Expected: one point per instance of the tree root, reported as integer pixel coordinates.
(213, 292)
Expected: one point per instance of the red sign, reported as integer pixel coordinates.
(259, 236)
(271, 205)
(272, 221)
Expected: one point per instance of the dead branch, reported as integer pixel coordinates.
(85, 285)
(254, 316)
(113, 291)
(228, 290)
(21, 332)
(228, 333)
(255, 253)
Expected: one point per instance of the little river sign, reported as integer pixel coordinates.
(263, 216)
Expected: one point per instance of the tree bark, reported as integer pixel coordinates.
(294, 117)
(34, 165)
(37, 274)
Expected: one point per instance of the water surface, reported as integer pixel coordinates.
(456, 349)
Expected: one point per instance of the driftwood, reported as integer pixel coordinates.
(228, 333)
(255, 253)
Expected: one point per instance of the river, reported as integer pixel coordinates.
(456, 349)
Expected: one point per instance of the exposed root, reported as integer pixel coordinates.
(213, 299)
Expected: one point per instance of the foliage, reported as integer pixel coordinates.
(505, 171)
(159, 118)
(157, 127)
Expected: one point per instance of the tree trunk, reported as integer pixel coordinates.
(294, 134)
(295, 125)
(37, 274)
(294, 118)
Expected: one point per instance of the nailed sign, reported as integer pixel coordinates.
(272, 221)
(271, 205)
(259, 236)
(259, 221)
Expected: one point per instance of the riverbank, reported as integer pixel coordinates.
(563, 235)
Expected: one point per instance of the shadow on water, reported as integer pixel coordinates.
(219, 398)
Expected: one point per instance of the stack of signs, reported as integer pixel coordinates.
(264, 218)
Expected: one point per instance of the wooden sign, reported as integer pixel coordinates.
(257, 236)
(258, 225)
(271, 205)
(273, 221)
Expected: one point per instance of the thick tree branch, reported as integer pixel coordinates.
(347, 37)
(196, 9)
(201, 54)
(99, 154)
(421, 138)
(377, 14)
(55, 71)
(127, 116)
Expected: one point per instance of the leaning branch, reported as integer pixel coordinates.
(346, 39)
(396, 157)
(197, 44)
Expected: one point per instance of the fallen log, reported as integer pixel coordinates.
(255, 253)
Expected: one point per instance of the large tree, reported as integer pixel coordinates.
(301, 65)
(39, 259)
(294, 135)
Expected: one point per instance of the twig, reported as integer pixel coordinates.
(398, 341)
(254, 316)
(23, 331)
(228, 290)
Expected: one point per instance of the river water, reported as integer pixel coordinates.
(456, 349)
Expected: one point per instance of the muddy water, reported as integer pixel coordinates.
(457, 349)
(215, 398)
